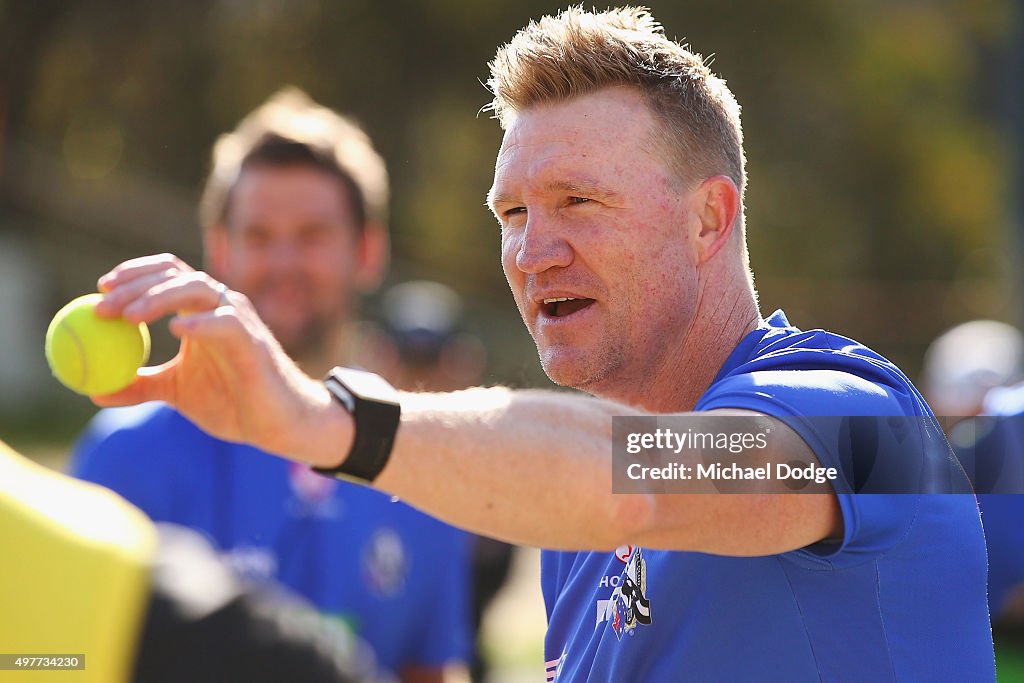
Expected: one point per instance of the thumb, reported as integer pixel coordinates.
(151, 384)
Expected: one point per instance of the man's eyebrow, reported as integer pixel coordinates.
(577, 186)
(582, 186)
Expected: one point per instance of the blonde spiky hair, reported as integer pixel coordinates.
(578, 52)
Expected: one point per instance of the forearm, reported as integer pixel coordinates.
(528, 467)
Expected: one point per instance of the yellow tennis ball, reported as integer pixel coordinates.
(93, 355)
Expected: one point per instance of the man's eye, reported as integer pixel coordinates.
(508, 213)
(578, 200)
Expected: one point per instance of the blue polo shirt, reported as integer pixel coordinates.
(398, 578)
(901, 597)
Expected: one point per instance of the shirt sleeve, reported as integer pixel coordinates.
(842, 418)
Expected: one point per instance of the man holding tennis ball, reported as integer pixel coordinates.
(618, 189)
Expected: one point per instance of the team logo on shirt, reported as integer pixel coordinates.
(385, 564)
(252, 562)
(629, 605)
(313, 494)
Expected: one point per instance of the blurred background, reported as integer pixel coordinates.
(883, 137)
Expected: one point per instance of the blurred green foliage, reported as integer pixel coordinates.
(877, 162)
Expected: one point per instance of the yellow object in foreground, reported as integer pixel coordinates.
(75, 575)
(93, 355)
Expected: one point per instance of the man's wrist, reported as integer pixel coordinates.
(326, 432)
(376, 413)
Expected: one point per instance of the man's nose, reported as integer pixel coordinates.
(285, 254)
(542, 246)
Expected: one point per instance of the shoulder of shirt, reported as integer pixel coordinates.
(792, 349)
(812, 348)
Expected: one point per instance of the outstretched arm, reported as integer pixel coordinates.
(536, 467)
(530, 467)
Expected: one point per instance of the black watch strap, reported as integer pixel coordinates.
(374, 406)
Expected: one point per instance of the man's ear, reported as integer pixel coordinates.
(217, 250)
(374, 256)
(719, 207)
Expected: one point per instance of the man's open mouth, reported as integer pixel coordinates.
(563, 306)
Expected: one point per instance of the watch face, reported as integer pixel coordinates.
(366, 385)
(341, 392)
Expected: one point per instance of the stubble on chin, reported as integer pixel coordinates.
(588, 372)
(306, 342)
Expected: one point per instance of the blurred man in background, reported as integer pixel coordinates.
(294, 216)
(966, 361)
(969, 374)
(999, 440)
(421, 346)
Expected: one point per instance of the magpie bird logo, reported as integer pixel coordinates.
(629, 598)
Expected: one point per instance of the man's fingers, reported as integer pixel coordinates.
(113, 303)
(223, 324)
(138, 267)
(151, 384)
(186, 292)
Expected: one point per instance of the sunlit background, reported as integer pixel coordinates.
(883, 140)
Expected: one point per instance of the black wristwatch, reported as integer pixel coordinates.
(373, 405)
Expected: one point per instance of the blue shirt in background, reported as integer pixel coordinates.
(993, 446)
(399, 578)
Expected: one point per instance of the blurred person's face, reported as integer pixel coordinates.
(291, 244)
(589, 210)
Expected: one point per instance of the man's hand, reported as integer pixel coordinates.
(230, 376)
